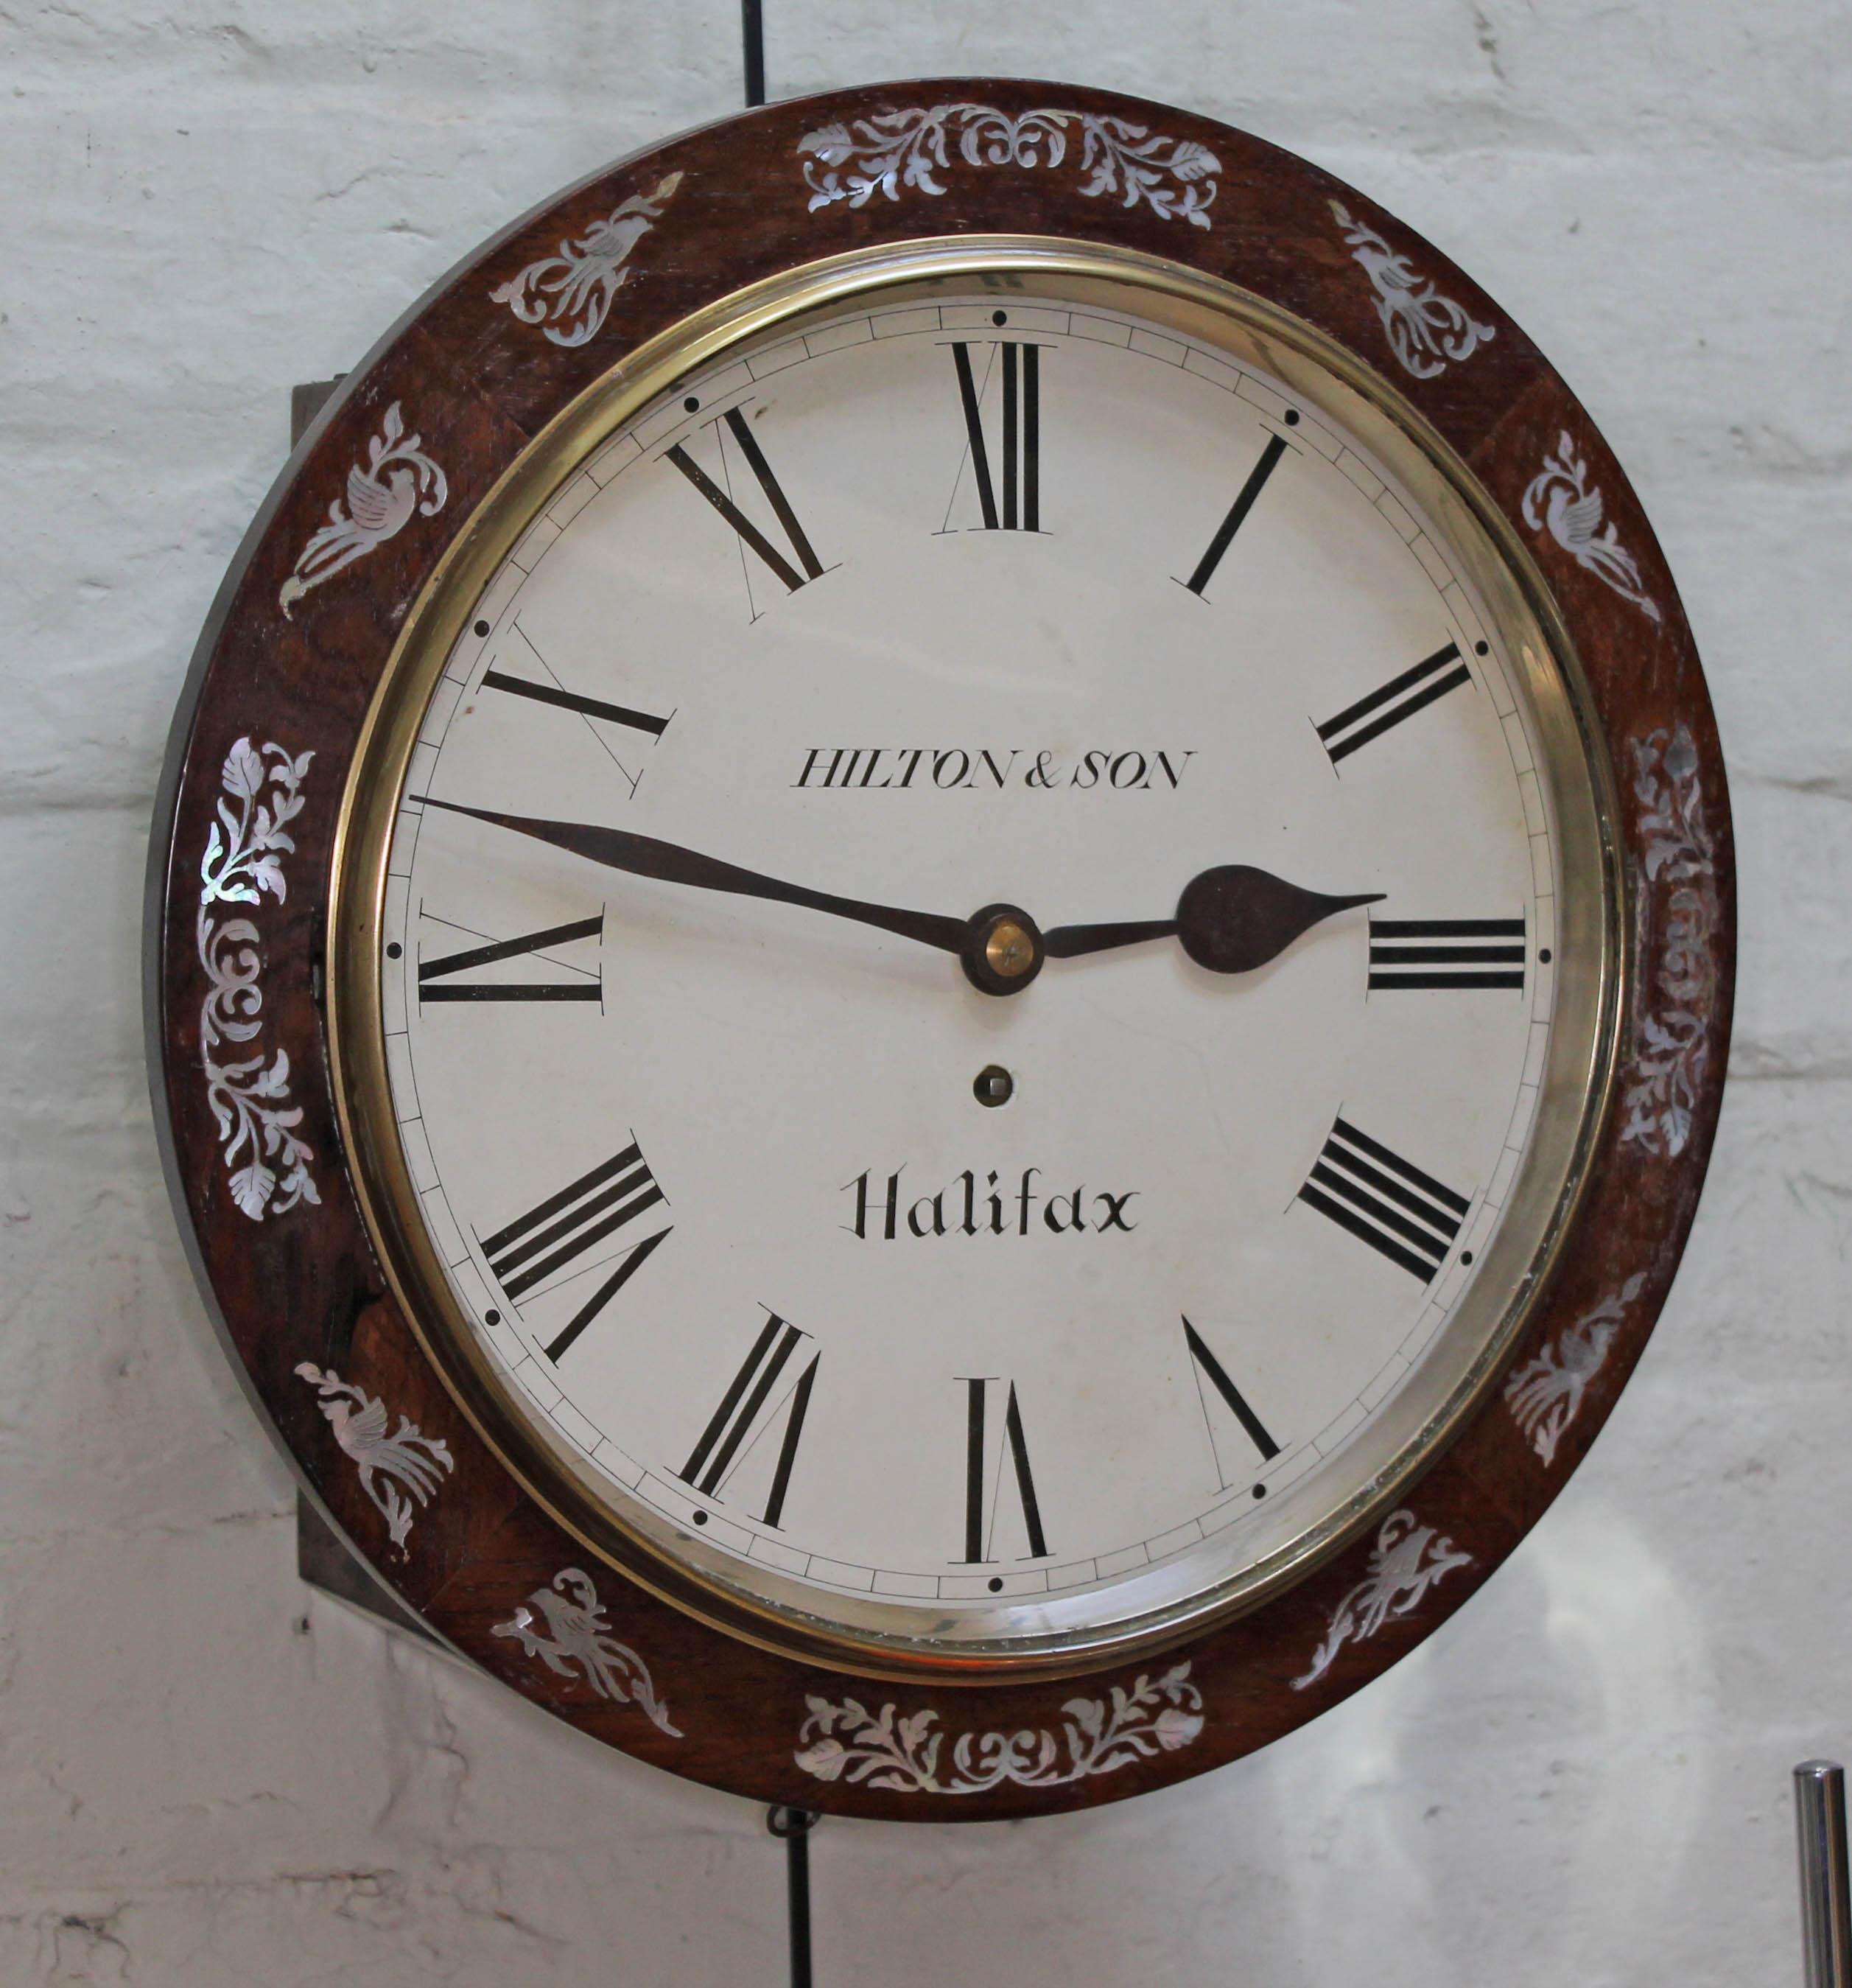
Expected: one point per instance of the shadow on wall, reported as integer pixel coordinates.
(1597, 1683)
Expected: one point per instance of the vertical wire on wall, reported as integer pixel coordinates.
(752, 34)
(794, 1826)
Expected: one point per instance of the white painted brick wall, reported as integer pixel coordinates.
(209, 1776)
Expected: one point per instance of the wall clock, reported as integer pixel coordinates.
(940, 948)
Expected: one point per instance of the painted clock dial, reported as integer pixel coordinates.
(940, 949)
(956, 1298)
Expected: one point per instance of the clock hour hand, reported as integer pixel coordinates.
(1230, 920)
(643, 856)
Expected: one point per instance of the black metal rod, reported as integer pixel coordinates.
(794, 1826)
(1825, 1898)
(753, 27)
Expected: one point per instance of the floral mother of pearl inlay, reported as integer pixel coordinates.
(1560, 499)
(575, 288)
(1546, 1393)
(576, 1632)
(1173, 176)
(397, 483)
(1668, 1068)
(406, 1458)
(1425, 328)
(1407, 1560)
(848, 1742)
(250, 1099)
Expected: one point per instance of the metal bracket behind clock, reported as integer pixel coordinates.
(324, 1560)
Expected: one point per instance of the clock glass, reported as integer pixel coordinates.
(974, 960)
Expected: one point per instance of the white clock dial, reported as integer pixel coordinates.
(1030, 1300)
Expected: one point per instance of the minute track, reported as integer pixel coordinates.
(786, 1061)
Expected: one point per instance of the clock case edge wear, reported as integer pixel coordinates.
(1486, 1491)
(894, 276)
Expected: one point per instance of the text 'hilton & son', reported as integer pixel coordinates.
(950, 768)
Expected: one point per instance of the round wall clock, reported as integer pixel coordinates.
(940, 948)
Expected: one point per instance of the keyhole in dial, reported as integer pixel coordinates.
(994, 1086)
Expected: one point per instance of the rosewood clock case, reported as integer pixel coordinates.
(381, 491)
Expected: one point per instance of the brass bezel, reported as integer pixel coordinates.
(1593, 969)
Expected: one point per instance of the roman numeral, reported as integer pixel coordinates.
(1400, 698)
(1210, 1369)
(733, 1421)
(568, 1224)
(569, 699)
(976, 1460)
(558, 1346)
(1238, 512)
(435, 982)
(587, 709)
(1446, 952)
(1022, 436)
(1373, 1193)
(750, 534)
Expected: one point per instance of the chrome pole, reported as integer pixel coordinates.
(1826, 1900)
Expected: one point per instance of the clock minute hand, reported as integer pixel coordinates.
(1230, 920)
(643, 856)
